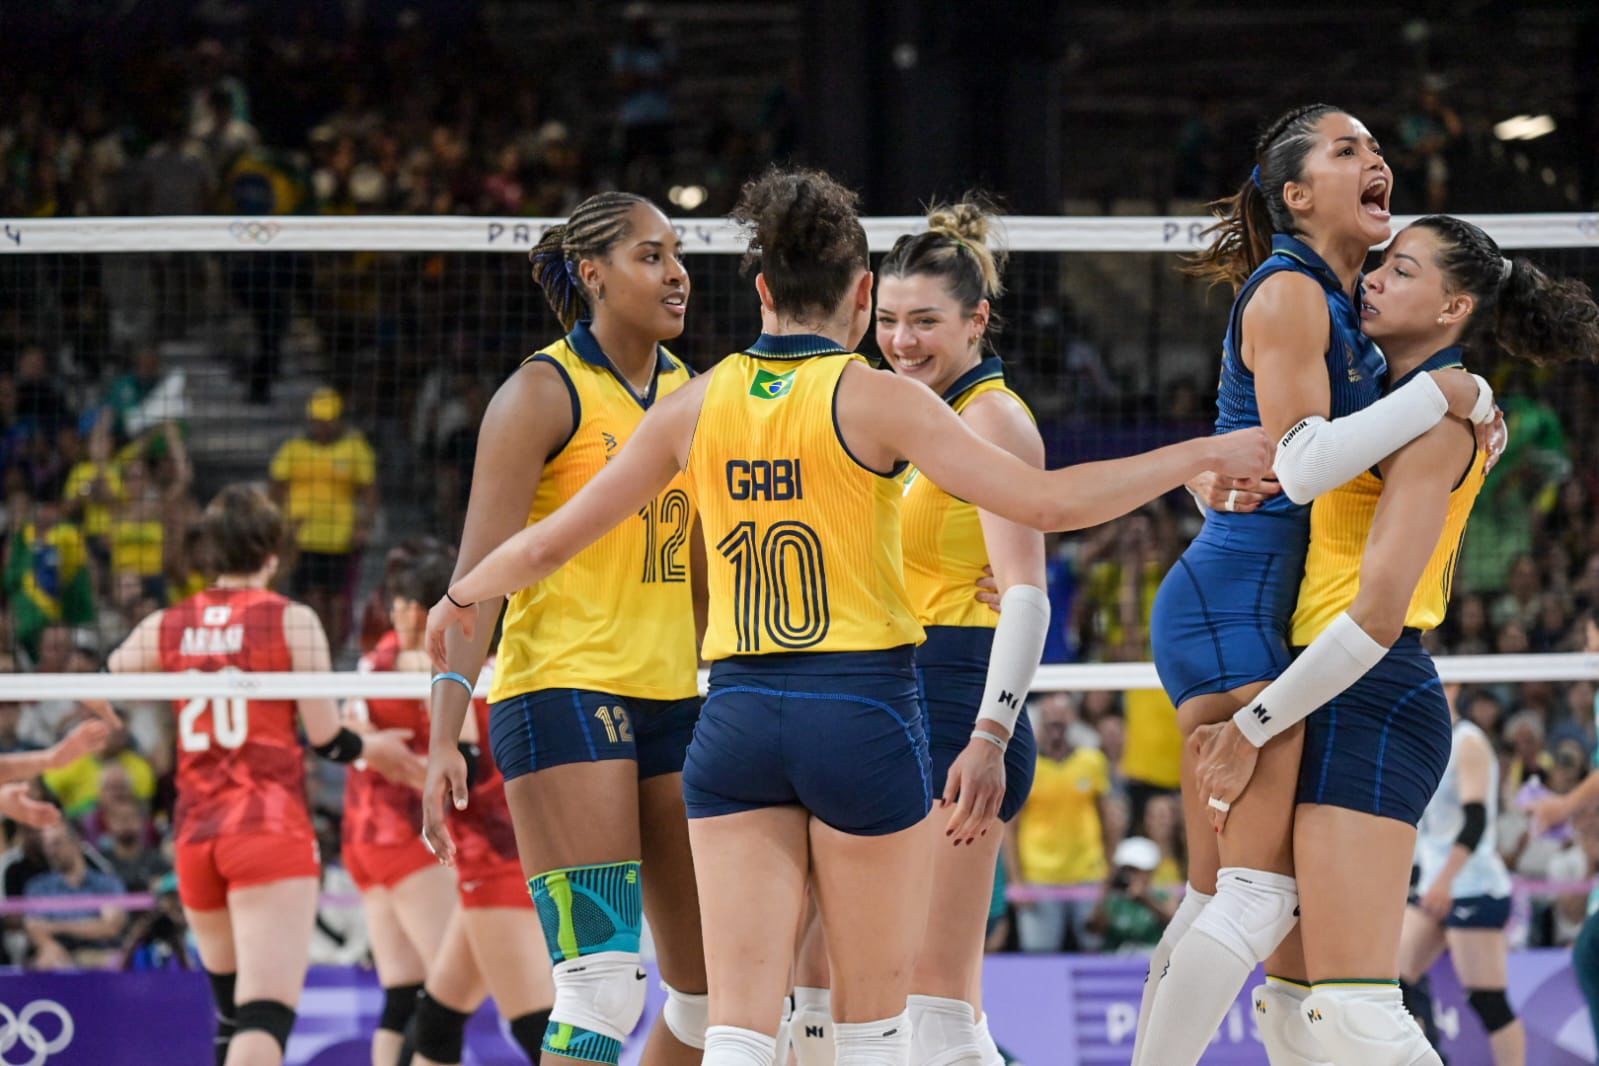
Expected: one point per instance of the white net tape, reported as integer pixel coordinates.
(1453, 669)
(294, 233)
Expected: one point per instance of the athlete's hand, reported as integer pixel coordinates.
(103, 710)
(988, 589)
(1246, 453)
(1436, 901)
(446, 781)
(19, 806)
(1493, 437)
(1224, 761)
(1216, 492)
(386, 751)
(975, 787)
(85, 738)
(441, 619)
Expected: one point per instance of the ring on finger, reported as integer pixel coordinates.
(1232, 500)
(1219, 804)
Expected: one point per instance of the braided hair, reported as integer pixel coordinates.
(596, 226)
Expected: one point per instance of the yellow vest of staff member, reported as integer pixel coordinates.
(1339, 524)
(618, 617)
(944, 549)
(803, 541)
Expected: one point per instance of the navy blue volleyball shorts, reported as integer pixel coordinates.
(556, 726)
(838, 733)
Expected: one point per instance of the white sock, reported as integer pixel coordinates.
(727, 1045)
(991, 1055)
(1192, 903)
(1251, 913)
(780, 1053)
(1283, 1027)
(810, 1030)
(943, 1032)
(885, 1042)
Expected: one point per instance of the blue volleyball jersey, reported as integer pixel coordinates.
(1355, 365)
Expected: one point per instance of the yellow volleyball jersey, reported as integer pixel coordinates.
(1339, 524)
(944, 549)
(803, 541)
(619, 616)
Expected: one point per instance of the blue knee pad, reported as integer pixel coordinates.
(591, 917)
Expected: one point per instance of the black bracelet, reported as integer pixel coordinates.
(459, 605)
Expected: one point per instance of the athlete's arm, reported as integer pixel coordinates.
(528, 420)
(885, 418)
(1286, 334)
(384, 750)
(1474, 770)
(976, 781)
(654, 455)
(1559, 809)
(140, 651)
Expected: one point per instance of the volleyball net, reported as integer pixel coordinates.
(154, 360)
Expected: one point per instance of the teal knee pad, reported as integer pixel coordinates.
(589, 909)
(591, 917)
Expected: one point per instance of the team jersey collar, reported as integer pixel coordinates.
(582, 341)
(1292, 247)
(793, 346)
(987, 370)
(1444, 359)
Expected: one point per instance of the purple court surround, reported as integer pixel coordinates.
(1054, 1010)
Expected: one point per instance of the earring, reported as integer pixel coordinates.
(1440, 320)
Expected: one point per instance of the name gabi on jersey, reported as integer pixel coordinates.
(203, 641)
(764, 479)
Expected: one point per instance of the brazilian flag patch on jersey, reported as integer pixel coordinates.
(769, 386)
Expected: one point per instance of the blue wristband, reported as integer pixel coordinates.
(458, 679)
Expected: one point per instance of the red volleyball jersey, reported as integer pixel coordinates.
(376, 810)
(485, 842)
(241, 766)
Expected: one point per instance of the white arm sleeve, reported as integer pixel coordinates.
(1316, 455)
(1334, 661)
(1018, 644)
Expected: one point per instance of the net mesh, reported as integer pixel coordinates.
(157, 360)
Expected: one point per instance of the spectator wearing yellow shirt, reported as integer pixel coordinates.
(326, 481)
(1059, 838)
(147, 528)
(94, 490)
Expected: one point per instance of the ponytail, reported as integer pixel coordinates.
(1519, 308)
(1241, 238)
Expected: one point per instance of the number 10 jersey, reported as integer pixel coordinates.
(241, 768)
(619, 616)
(802, 541)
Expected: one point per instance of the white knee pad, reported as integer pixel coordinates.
(1251, 912)
(1367, 1024)
(603, 993)
(727, 1045)
(885, 1042)
(944, 1032)
(1284, 1029)
(687, 1016)
(985, 1040)
(810, 1030)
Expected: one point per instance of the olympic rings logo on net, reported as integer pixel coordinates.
(253, 232)
(18, 1028)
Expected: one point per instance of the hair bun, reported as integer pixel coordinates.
(967, 221)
